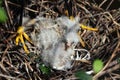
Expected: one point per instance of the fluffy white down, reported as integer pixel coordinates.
(72, 37)
(62, 57)
(65, 21)
(50, 38)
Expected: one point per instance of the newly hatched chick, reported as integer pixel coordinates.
(51, 36)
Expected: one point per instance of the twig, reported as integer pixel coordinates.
(113, 55)
(110, 70)
(25, 7)
(109, 4)
(9, 77)
(102, 3)
(8, 11)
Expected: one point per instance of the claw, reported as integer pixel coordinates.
(17, 40)
(27, 37)
(83, 27)
(81, 41)
(20, 36)
(88, 28)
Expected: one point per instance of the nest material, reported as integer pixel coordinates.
(103, 44)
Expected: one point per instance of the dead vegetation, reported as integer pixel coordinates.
(103, 44)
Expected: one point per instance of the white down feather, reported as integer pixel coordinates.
(50, 38)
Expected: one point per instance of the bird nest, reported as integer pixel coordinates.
(103, 44)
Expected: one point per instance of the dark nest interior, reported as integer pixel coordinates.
(103, 44)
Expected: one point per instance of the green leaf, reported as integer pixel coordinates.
(44, 69)
(3, 16)
(81, 75)
(97, 65)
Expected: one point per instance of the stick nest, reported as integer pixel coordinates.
(104, 44)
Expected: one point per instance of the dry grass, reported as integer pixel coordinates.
(103, 44)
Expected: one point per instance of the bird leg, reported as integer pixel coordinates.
(20, 36)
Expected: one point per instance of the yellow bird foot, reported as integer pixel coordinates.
(20, 36)
(88, 28)
(83, 27)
